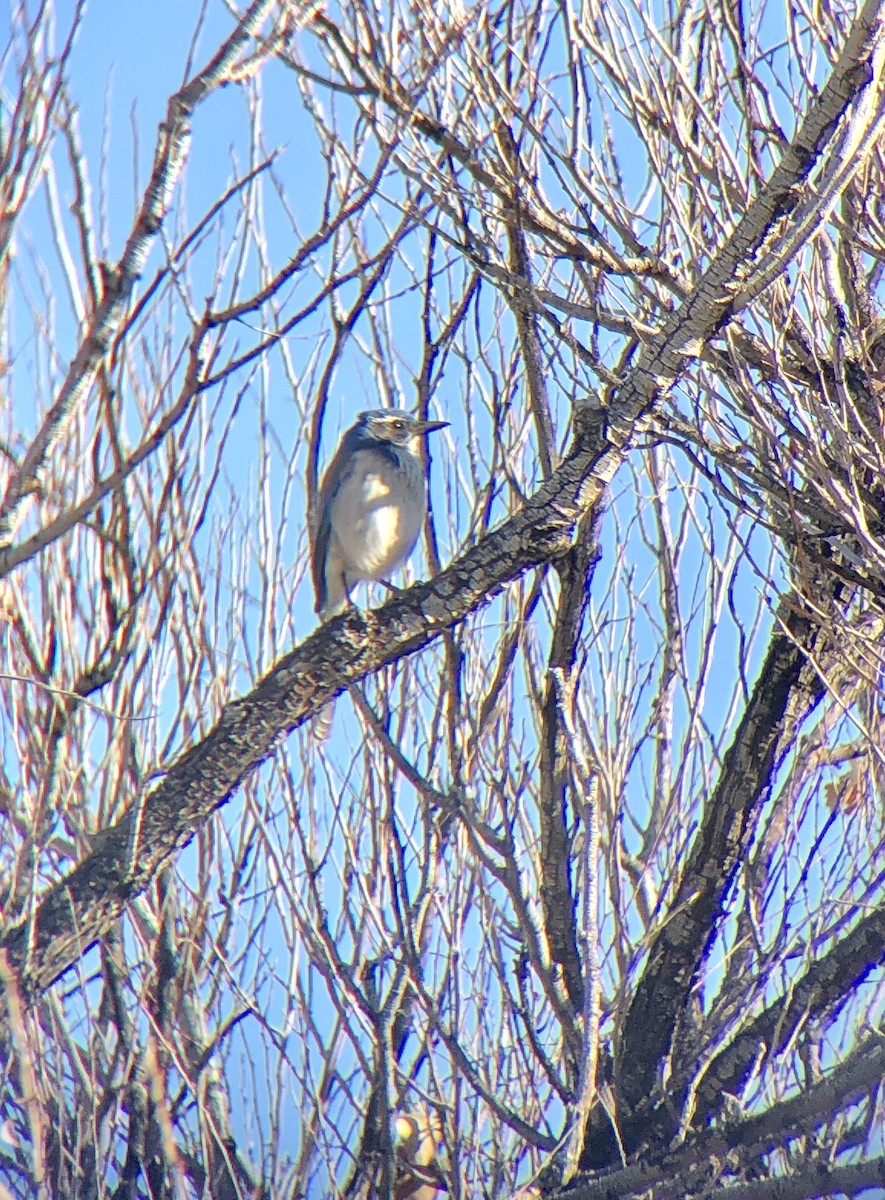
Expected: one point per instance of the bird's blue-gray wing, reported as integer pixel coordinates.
(336, 474)
(320, 550)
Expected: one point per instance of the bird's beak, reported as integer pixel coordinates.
(430, 426)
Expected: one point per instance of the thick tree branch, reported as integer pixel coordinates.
(698, 906)
(557, 895)
(799, 1116)
(817, 1179)
(824, 987)
(126, 857)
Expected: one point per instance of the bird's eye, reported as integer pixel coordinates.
(399, 426)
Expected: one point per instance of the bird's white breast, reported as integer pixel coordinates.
(378, 515)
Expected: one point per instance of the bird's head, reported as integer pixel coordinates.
(395, 426)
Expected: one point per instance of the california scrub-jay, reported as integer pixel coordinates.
(372, 504)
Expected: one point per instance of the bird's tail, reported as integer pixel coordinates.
(336, 601)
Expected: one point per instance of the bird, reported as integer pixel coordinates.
(371, 506)
(416, 1144)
